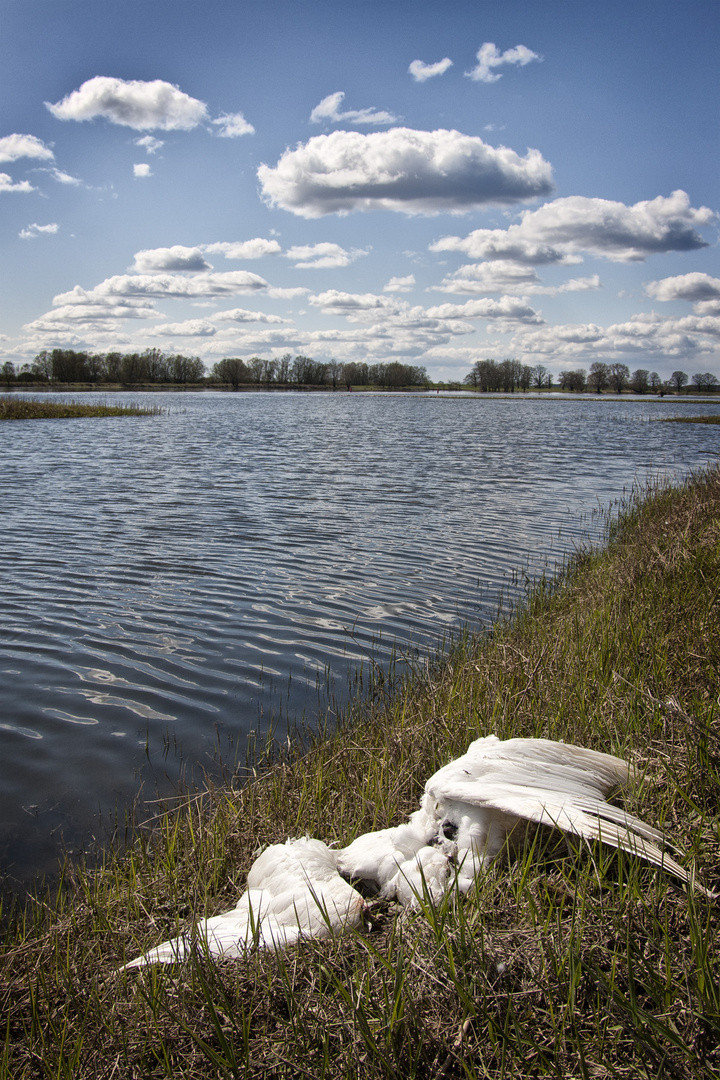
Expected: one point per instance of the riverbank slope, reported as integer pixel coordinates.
(568, 962)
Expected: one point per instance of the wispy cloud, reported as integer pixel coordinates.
(400, 284)
(38, 230)
(149, 143)
(323, 256)
(422, 72)
(6, 184)
(244, 249)
(489, 57)
(329, 111)
(232, 126)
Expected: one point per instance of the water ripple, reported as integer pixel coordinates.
(170, 584)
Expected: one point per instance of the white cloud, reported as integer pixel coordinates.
(65, 178)
(642, 338)
(416, 172)
(244, 249)
(142, 170)
(400, 284)
(6, 184)
(507, 308)
(168, 286)
(560, 230)
(501, 276)
(322, 256)
(173, 259)
(328, 111)
(505, 276)
(188, 328)
(14, 147)
(490, 57)
(694, 286)
(232, 126)
(278, 293)
(355, 306)
(242, 315)
(38, 230)
(140, 105)
(149, 143)
(421, 72)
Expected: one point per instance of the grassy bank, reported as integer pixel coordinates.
(14, 407)
(569, 962)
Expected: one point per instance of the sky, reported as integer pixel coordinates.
(360, 180)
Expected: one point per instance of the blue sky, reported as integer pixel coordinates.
(363, 180)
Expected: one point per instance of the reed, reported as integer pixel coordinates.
(566, 961)
(18, 407)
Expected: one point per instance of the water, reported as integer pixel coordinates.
(171, 583)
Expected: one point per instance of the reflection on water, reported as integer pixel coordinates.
(176, 581)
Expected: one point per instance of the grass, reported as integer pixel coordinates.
(14, 407)
(690, 420)
(569, 961)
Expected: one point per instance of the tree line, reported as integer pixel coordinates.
(153, 366)
(617, 378)
(510, 375)
(72, 366)
(304, 371)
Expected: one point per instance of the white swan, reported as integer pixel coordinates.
(476, 802)
(294, 891)
(467, 813)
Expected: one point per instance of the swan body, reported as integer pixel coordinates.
(294, 891)
(468, 811)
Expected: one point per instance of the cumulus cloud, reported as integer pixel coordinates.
(6, 184)
(174, 259)
(323, 256)
(422, 72)
(508, 308)
(14, 147)
(560, 230)
(643, 337)
(329, 111)
(232, 126)
(695, 286)
(149, 143)
(334, 302)
(400, 284)
(140, 105)
(188, 328)
(244, 249)
(242, 315)
(508, 277)
(142, 170)
(38, 230)
(168, 286)
(416, 172)
(489, 57)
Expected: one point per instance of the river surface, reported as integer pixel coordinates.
(171, 583)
